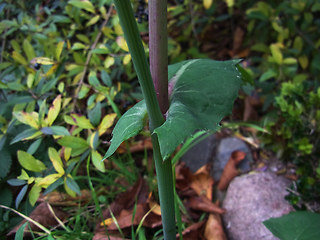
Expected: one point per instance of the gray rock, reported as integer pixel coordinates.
(252, 199)
(200, 154)
(224, 150)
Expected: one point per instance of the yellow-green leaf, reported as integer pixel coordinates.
(290, 60)
(19, 58)
(81, 121)
(298, 43)
(122, 43)
(56, 160)
(54, 110)
(28, 49)
(97, 161)
(276, 53)
(34, 194)
(59, 50)
(67, 153)
(48, 180)
(93, 20)
(106, 123)
(207, 3)
(69, 191)
(230, 3)
(304, 61)
(85, 4)
(24, 175)
(31, 119)
(30, 80)
(42, 61)
(30, 163)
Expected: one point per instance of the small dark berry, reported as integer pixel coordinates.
(37, 66)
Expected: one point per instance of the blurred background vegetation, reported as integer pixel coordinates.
(66, 76)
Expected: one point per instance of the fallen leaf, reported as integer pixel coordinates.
(42, 215)
(202, 182)
(201, 203)
(214, 229)
(192, 232)
(62, 199)
(230, 171)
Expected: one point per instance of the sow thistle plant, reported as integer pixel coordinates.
(202, 92)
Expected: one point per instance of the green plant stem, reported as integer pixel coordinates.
(163, 168)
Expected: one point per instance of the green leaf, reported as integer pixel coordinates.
(16, 182)
(34, 146)
(97, 161)
(267, 75)
(28, 162)
(55, 130)
(86, 5)
(300, 225)
(5, 163)
(95, 114)
(59, 50)
(56, 160)
(77, 144)
(21, 194)
(20, 232)
(28, 49)
(201, 92)
(34, 194)
(93, 20)
(73, 185)
(129, 125)
(106, 78)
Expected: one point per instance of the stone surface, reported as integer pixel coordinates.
(201, 153)
(252, 199)
(224, 150)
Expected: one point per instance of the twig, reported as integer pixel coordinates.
(93, 46)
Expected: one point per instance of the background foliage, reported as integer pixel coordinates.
(66, 76)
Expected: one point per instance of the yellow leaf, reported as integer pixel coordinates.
(31, 119)
(67, 153)
(122, 43)
(42, 61)
(207, 3)
(54, 110)
(106, 222)
(24, 175)
(126, 59)
(56, 160)
(304, 61)
(59, 50)
(93, 20)
(106, 123)
(97, 161)
(230, 3)
(91, 139)
(30, 80)
(51, 70)
(81, 121)
(276, 53)
(109, 62)
(48, 180)
(118, 29)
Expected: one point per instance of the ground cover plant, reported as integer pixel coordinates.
(67, 77)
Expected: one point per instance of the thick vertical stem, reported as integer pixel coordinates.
(158, 50)
(163, 168)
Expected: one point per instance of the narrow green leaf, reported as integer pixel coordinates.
(53, 186)
(59, 50)
(55, 130)
(16, 182)
(73, 185)
(28, 49)
(28, 162)
(95, 114)
(5, 163)
(301, 225)
(34, 194)
(20, 232)
(201, 92)
(34, 146)
(21, 195)
(129, 125)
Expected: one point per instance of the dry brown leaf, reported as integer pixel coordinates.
(62, 199)
(204, 204)
(230, 171)
(192, 232)
(42, 215)
(214, 229)
(202, 182)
